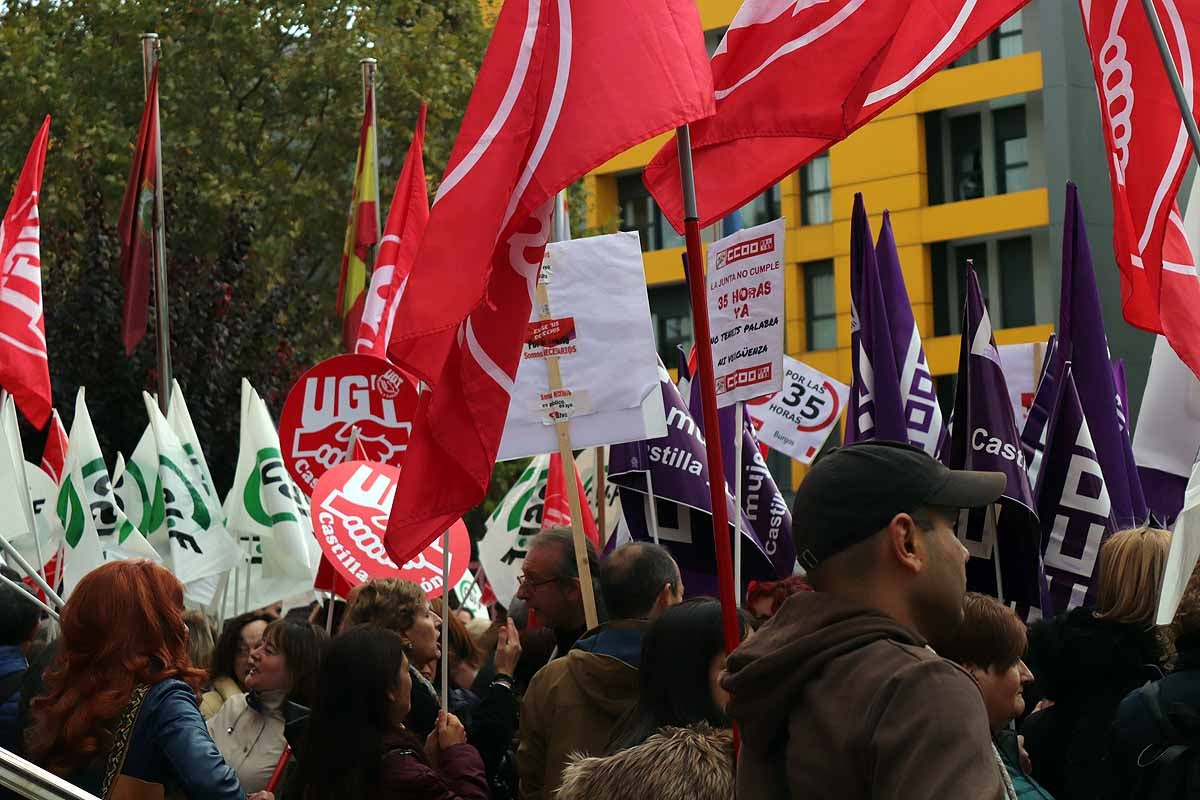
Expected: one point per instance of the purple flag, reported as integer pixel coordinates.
(1083, 343)
(876, 408)
(678, 467)
(1073, 503)
(922, 415)
(1004, 539)
(1033, 434)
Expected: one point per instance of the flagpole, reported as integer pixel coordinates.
(30, 571)
(150, 56)
(601, 499)
(991, 512)
(708, 392)
(737, 502)
(446, 620)
(21, 589)
(369, 67)
(653, 505)
(249, 565)
(1168, 60)
(329, 612)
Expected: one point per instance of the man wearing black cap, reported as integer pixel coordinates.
(840, 695)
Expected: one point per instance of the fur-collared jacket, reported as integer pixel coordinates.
(694, 763)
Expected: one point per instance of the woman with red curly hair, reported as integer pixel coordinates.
(121, 710)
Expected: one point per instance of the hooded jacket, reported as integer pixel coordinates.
(837, 700)
(694, 763)
(574, 703)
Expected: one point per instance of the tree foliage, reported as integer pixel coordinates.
(260, 104)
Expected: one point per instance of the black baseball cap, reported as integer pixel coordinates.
(853, 492)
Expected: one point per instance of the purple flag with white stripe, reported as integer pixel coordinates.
(1082, 342)
(922, 415)
(1037, 423)
(876, 408)
(1073, 503)
(1004, 538)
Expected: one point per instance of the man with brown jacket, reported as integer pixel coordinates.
(840, 695)
(574, 703)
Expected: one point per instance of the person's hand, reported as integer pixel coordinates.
(508, 649)
(261, 796)
(450, 731)
(1026, 763)
(1043, 705)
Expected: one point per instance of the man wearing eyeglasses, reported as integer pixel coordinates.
(549, 585)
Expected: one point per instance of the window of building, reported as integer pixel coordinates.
(966, 157)
(820, 307)
(1006, 277)
(1012, 149)
(815, 192)
(763, 208)
(1008, 39)
(672, 320)
(640, 213)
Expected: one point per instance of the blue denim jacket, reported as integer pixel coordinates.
(11, 660)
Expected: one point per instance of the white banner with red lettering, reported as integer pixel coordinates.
(798, 418)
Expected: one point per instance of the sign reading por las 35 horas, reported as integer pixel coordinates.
(798, 419)
(333, 398)
(745, 305)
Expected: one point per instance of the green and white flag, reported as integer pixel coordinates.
(264, 505)
(88, 507)
(181, 423)
(139, 490)
(511, 525)
(198, 543)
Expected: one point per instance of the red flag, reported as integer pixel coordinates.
(773, 114)
(362, 229)
(24, 368)
(53, 572)
(54, 454)
(328, 579)
(137, 221)
(401, 237)
(556, 509)
(1148, 155)
(563, 87)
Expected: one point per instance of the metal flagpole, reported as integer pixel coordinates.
(369, 68)
(30, 571)
(1181, 98)
(653, 505)
(22, 590)
(150, 56)
(708, 391)
(329, 614)
(601, 499)
(446, 620)
(737, 503)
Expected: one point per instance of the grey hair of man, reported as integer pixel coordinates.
(632, 579)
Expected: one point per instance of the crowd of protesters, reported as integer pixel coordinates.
(875, 675)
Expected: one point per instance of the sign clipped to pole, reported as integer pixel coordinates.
(745, 304)
(798, 418)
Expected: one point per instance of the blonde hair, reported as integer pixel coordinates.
(201, 641)
(1131, 569)
(390, 603)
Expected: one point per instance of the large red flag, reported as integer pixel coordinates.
(1148, 155)
(563, 87)
(24, 368)
(556, 508)
(401, 237)
(137, 221)
(795, 76)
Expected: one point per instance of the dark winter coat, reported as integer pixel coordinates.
(1086, 666)
(837, 701)
(694, 763)
(1134, 729)
(489, 711)
(406, 772)
(12, 670)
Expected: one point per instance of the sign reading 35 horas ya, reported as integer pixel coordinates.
(333, 398)
(798, 419)
(745, 306)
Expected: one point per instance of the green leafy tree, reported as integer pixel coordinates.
(261, 104)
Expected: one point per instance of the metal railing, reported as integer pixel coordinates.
(31, 781)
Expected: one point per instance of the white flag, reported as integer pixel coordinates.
(139, 491)
(518, 517)
(180, 421)
(200, 547)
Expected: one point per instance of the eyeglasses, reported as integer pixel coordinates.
(525, 581)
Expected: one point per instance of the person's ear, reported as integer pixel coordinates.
(904, 543)
(667, 597)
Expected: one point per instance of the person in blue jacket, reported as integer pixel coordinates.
(121, 703)
(18, 620)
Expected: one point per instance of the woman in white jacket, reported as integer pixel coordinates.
(248, 729)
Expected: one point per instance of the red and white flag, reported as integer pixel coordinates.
(402, 234)
(24, 368)
(564, 86)
(793, 77)
(1149, 153)
(556, 509)
(54, 453)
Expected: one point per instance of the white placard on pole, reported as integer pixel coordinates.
(745, 306)
(798, 419)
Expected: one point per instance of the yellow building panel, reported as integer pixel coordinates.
(827, 361)
(942, 351)
(985, 216)
(906, 227)
(915, 265)
(810, 243)
(882, 149)
(979, 82)
(897, 194)
(603, 211)
(663, 266)
(635, 157)
(794, 338)
(717, 13)
(793, 292)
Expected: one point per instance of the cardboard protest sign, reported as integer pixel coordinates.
(600, 331)
(745, 309)
(330, 400)
(350, 508)
(798, 418)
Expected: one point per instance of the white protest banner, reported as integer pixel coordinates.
(1021, 364)
(745, 309)
(798, 419)
(600, 330)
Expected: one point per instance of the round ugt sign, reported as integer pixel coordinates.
(330, 400)
(349, 514)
